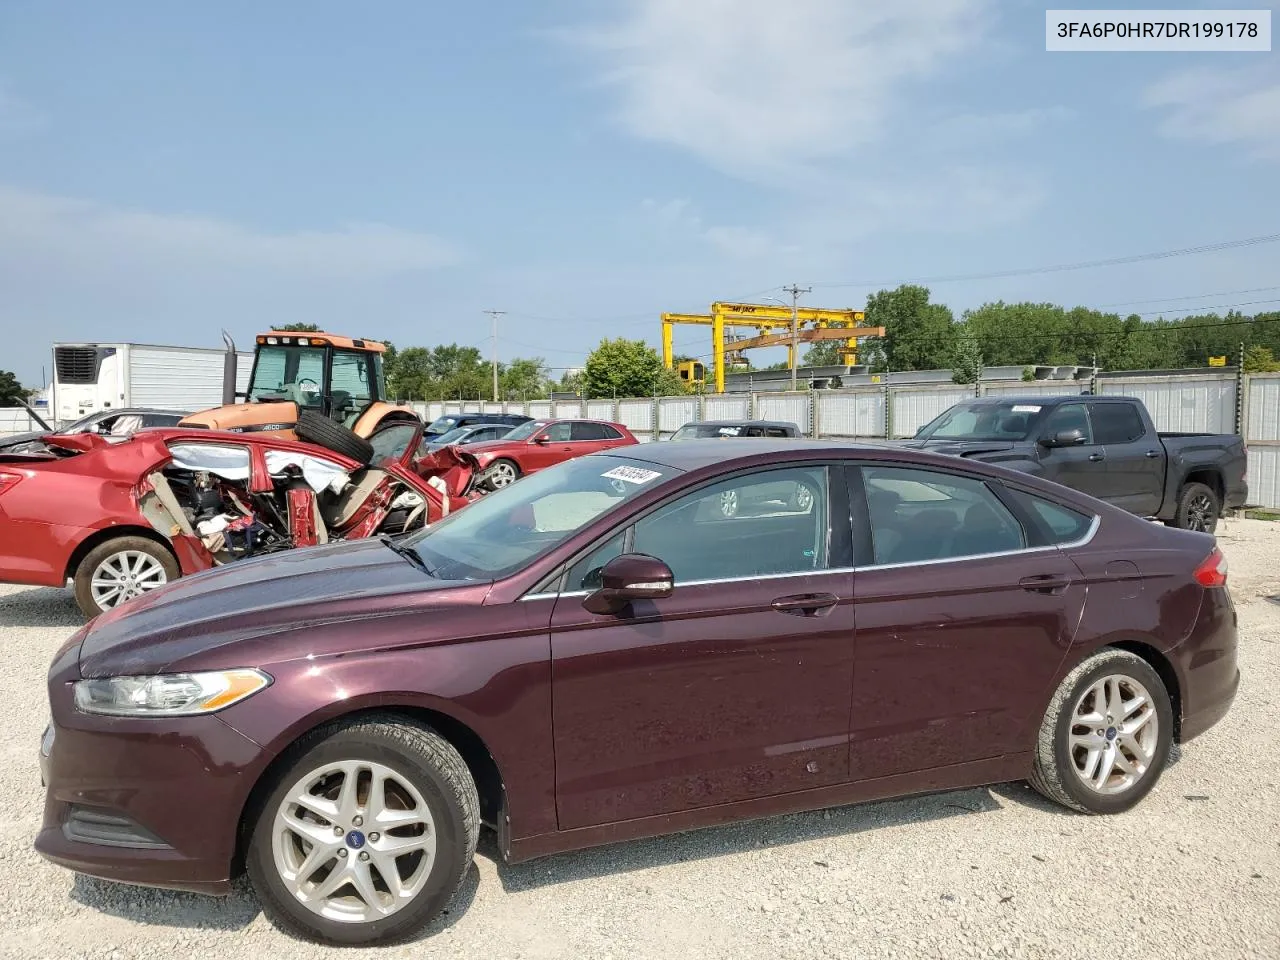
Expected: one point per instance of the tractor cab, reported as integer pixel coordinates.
(339, 378)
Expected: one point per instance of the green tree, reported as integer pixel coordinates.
(524, 379)
(966, 363)
(918, 334)
(628, 368)
(824, 353)
(1259, 359)
(412, 376)
(297, 327)
(11, 391)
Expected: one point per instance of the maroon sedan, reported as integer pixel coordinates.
(600, 652)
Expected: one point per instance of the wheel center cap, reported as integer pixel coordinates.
(1111, 733)
(355, 839)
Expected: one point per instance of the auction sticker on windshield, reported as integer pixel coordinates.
(631, 474)
(1026, 408)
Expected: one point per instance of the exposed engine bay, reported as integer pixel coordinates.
(211, 498)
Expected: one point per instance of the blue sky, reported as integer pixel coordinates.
(393, 169)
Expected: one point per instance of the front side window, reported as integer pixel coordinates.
(559, 432)
(922, 515)
(391, 442)
(761, 524)
(1069, 416)
(1116, 422)
(503, 532)
(352, 383)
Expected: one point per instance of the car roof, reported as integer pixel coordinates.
(1047, 401)
(696, 454)
(742, 423)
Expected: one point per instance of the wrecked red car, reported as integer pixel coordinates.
(119, 519)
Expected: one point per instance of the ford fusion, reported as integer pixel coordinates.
(603, 652)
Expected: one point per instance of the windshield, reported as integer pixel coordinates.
(702, 431)
(505, 531)
(442, 424)
(454, 435)
(525, 430)
(984, 421)
(288, 373)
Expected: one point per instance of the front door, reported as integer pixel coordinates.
(736, 686)
(553, 450)
(961, 626)
(1082, 467)
(1135, 456)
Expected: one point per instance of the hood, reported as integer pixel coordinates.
(252, 600)
(490, 447)
(956, 448)
(14, 439)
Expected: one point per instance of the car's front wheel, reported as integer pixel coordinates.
(368, 834)
(1106, 736)
(501, 473)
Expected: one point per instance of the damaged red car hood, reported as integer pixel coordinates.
(192, 622)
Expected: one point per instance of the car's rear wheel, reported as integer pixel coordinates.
(367, 835)
(1106, 736)
(119, 570)
(501, 473)
(1198, 508)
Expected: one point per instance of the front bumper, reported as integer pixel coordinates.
(143, 801)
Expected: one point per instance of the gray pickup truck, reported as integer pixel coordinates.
(1106, 447)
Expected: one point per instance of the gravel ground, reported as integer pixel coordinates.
(1194, 871)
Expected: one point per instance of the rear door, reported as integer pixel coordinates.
(1135, 456)
(1082, 467)
(963, 615)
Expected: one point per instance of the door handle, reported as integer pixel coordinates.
(1096, 457)
(1050, 583)
(1152, 454)
(806, 605)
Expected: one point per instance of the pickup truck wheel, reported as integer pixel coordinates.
(1198, 508)
(119, 570)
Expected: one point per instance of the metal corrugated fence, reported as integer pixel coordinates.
(1188, 404)
(1262, 435)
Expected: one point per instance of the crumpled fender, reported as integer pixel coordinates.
(451, 464)
(77, 442)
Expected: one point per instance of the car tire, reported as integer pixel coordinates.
(1076, 725)
(501, 473)
(139, 564)
(318, 429)
(1198, 508)
(421, 767)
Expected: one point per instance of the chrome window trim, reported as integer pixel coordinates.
(1083, 541)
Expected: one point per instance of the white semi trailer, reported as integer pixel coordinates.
(88, 377)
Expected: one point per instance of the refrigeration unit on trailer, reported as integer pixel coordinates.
(88, 377)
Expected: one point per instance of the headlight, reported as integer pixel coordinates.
(169, 695)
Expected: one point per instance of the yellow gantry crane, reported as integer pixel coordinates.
(772, 325)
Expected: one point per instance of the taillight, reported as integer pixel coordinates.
(1213, 571)
(9, 480)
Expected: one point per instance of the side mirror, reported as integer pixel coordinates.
(632, 576)
(542, 438)
(1064, 438)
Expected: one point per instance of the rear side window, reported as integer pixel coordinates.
(923, 515)
(610, 433)
(582, 430)
(1064, 524)
(1115, 422)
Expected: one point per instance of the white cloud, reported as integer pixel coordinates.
(764, 89)
(84, 237)
(679, 217)
(978, 129)
(1221, 106)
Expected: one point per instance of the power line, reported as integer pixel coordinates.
(1191, 296)
(1061, 267)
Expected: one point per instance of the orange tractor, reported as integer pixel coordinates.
(319, 387)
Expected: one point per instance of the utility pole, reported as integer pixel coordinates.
(495, 314)
(795, 328)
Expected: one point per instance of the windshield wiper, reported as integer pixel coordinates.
(407, 552)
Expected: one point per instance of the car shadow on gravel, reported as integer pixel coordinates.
(708, 843)
(40, 607)
(193, 911)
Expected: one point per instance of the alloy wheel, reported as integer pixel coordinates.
(804, 497)
(729, 503)
(1200, 513)
(502, 475)
(1114, 734)
(125, 575)
(354, 841)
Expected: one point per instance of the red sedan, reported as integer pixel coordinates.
(539, 444)
(120, 519)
